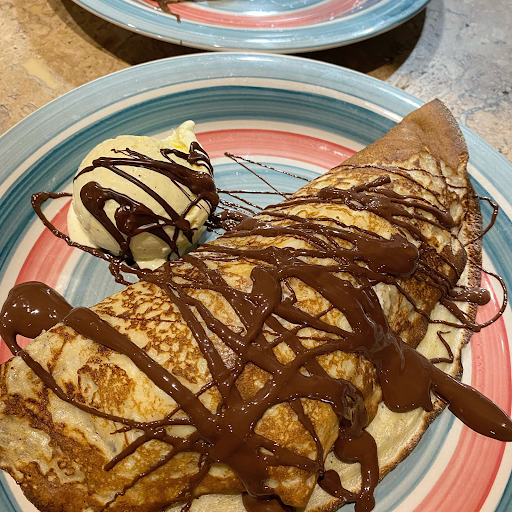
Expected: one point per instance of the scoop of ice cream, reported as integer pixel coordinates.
(143, 198)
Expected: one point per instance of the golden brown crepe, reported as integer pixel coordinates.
(58, 453)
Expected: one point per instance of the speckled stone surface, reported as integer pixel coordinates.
(457, 50)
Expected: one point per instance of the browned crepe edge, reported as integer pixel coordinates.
(429, 129)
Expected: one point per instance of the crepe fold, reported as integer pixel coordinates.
(68, 460)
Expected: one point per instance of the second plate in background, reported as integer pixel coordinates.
(283, 26)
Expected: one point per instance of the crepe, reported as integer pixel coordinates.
(186, 314)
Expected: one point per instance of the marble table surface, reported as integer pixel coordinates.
(457, 50)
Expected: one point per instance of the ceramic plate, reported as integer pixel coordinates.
(266, 25)
(293, 114)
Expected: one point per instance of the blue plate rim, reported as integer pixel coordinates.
(154, 75)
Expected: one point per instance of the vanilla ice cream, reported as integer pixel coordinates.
(142, 197)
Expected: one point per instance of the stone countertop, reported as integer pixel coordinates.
(457, 50)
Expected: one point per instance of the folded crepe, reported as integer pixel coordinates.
(263, 362)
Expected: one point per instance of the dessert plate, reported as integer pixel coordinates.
(266, 25)
(292, 114)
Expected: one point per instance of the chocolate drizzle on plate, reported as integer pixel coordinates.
(116, 264)
(342, 264)
(164, 6)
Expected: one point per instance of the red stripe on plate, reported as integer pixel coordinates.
(324, 11)
(45, 262)
(469, 475)
(275, 143)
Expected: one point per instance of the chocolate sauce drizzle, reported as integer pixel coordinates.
(133, 217)
(163, 5)
(331, 252)
(116, 264)
(495, 209)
